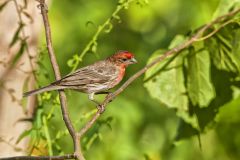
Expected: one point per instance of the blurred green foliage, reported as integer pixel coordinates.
(136, 126)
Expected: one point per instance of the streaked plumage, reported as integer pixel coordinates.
(98, 77)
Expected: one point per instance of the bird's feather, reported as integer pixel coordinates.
(90, 79)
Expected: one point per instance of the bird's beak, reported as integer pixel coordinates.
(133, 60)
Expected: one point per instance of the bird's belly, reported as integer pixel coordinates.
(96, 88)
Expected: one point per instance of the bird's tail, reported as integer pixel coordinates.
(43, 89)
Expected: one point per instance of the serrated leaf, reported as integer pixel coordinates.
(199, 86)
(168, 85)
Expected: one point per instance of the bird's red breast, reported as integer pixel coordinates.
(121, 72)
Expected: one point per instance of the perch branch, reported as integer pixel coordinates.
(175, 50)
(67, 156)
(62, 96)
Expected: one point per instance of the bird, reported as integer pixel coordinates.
(96, 78)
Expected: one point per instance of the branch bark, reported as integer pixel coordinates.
(62, 96)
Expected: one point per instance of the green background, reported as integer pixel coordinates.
(134, 126)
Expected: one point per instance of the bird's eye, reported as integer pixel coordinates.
(124, 59)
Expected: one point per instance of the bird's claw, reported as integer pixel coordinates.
(101, 108)
(109, 97)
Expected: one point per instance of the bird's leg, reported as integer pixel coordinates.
(91, 97)
(99, 106)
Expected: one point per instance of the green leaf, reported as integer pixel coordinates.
(168, 85)
(24, 134)
(185, 130)
(229, 113)
(16, 35)
(236, 44)
(222, 81)
(199, 86)
(178, 40)
(19, 53)
(223, 55)
(224, 7)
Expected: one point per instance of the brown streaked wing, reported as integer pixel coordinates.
(82, 77)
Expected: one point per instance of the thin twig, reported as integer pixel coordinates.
(23, 37)
(31, 100)
(175, 50)
(100, 29)
(214, 31)
(62, 96)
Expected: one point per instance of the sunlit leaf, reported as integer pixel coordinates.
(178, 40)
(220, 46)
(224, 7)
(229, 113)
(200, 89)
(222, 82)
(168, 85)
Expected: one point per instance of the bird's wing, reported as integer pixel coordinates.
(85, 76)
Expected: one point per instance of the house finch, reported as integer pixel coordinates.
(96, 78)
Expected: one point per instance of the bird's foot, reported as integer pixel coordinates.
(101, 108)
(109, 95)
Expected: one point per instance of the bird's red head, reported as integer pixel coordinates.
(123, 58)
